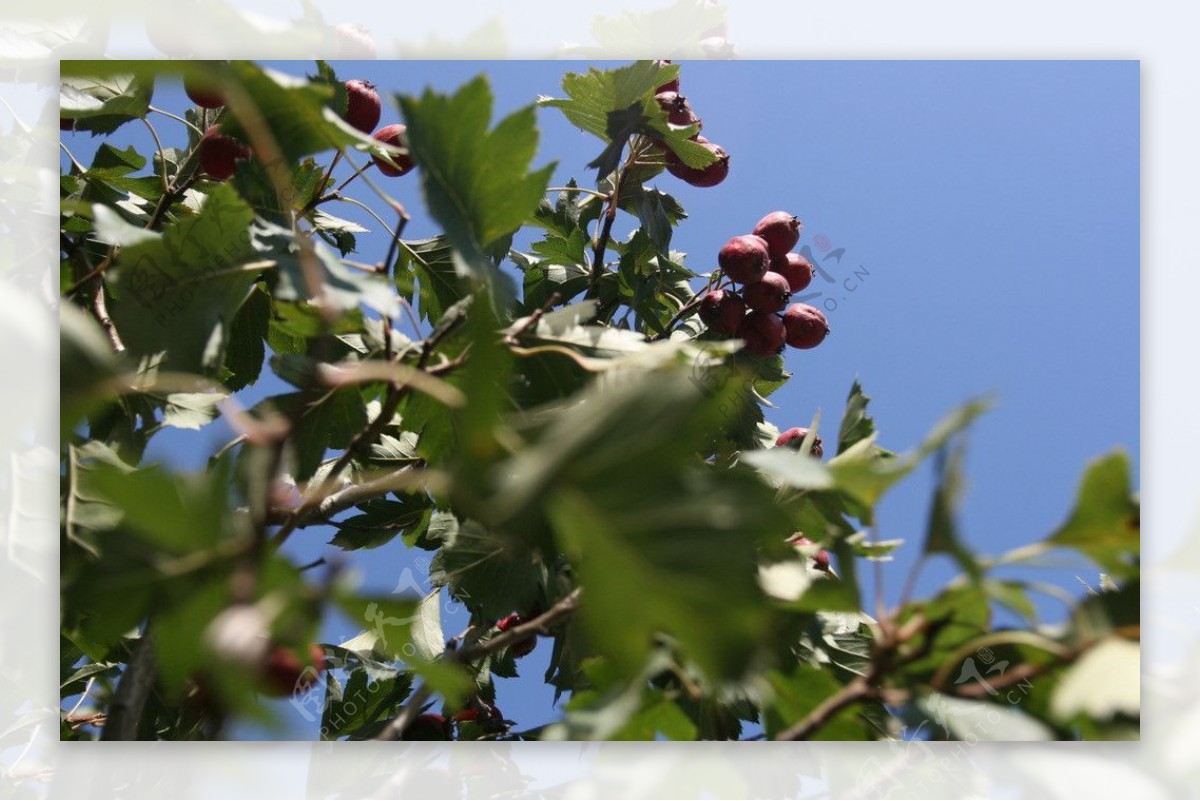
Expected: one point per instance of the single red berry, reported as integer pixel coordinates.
(679, 110)
(66, 124)
(394, 135)
(219, 153)
(806, 326)
(795, 268)
(769, 294)
(284, 675)
(744, 258)
(820, 558)
(522, 647)
(362, 105)
(203, 93)
(781, 230)
(722, 311)
(794, 437)
(671, 85)
(429, 726)
(711, 175)
(763, 333)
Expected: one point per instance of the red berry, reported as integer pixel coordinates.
(203, 93)
(781, 230)
(795, 268)
(744, 258)
(429, 726)
(711, 175)
(283, 675)
(722, 311)
(394, 135)
(762, 332)
(806, 326)
(219, 153)
(521, 647)
(679, 110)
(66, 124)
(362, 105)
(794, 437)
(671, 85)
(820, 558)
(769, 294)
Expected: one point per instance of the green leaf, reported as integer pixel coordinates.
(856, 425)
(475, 181)
(789, 468)
(491, 574)
(381, 520)
(330, 422)
(179, 293)
(191, 410)
(942, 535)
(798, 693)
(247, 336)
(429, 263)
(370, 694)
(1105, 524)
(106, 101)
(982, 721)
(177, 514)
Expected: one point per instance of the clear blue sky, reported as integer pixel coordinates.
(988, 213)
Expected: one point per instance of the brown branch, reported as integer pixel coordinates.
(858, 690)
(463, 656)
(125, 712)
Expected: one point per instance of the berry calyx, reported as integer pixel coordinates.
(362, 105)
(284, 675)
(722, 311)
(744, 258)
(219, 154)
(203, 93)
(769, 294)
(679, 110)
(394, 135)
(711, 175)
(806, 326)
(762, 332)
(795, 268)
(794, 438)
(781, 230)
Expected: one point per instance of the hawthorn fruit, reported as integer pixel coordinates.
(219, 153)
(362, 105)
(762, 332)
(769, 294)
(820, 558)
(793, 437)
(429, 726)
(283, 674)
(781, 230)
(394, 135)
(744, 258)
(722, 311)
(520, 648)
(711, 175)
(795, 268)
(806, 326)
(679, 110)
(203, 93)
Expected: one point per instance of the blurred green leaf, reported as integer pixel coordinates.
(1105, 524)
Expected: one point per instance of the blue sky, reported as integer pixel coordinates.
(987, 218)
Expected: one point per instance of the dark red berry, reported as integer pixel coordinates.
(203, 93)
(711, 175)
(219, 153)
(362, 105)
(429, 726)
(762, 332)
(522, 647)
(795, 268)
(806, 326)
(794, 437)
(769, 294)
(671, 85)
(66, 124)
(722, 311)
(781, 230)
(744, 258)
(284, 675)
(679, 110)
(394, 135)
(820, 558)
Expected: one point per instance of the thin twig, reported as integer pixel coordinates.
(469, 653)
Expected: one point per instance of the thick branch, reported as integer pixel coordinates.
(125, 712)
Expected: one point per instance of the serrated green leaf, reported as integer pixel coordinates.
(1105, 524)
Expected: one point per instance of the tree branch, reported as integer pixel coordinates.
(125, 712)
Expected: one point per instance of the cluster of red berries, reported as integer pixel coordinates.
(219, 153)
(434, 726)
(769, 272)
(679, 112)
